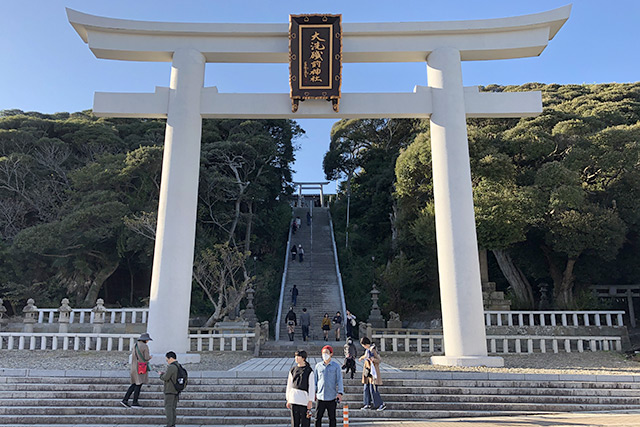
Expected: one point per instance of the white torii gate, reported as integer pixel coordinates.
(442, 45)
(311, 186)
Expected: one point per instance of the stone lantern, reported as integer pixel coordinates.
(375, 317)
(99, 314)
(249, 312)
(30, 315)
(64, 317)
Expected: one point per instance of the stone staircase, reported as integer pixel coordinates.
(315, 277)
(38, 398)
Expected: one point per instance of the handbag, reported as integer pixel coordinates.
(142, 366)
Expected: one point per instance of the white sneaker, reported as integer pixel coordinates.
(382, 407)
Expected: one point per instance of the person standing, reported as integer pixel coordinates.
(294, 295)
(309, 218)
(305, 322)
(329, 387)
(371, 377)
(294, 252)
(337, 324)
(140, 358)
(300, 253)
(301, 391)
(291, 321)
(350, 354)
(350, 323)
(326, 326)
(171, 395)
(298, 222)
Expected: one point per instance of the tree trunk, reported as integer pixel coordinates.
(247, 234)
(96, 284)
(564, 293)
(517, 280)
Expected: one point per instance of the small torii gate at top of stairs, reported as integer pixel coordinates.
(310, 186)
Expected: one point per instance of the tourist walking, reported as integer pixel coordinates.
(298, 222)
(309, 218)
(294, 295)
(171, 394)
(350, 354)
(305, 322)
(371, 377)
(294, 252)
(140, 358)
(300, 253)
(337, 324)
(329, 387)
(301, 391)
(326, 326)
(291, 322)
(350, 323)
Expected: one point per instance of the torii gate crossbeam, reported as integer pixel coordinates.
(442, 45)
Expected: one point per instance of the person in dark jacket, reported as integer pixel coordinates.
(294, 295)
(350, 354)
(171, 395)
(294, 252)
(291, 321)
(301, 391)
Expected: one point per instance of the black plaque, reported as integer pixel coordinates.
(315, 58)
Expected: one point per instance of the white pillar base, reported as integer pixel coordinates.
(490, 361)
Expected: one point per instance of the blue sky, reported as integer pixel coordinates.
(45, 66)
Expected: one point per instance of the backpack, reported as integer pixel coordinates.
(181, 380)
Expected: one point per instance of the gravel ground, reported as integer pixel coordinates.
(114, 360)
(562, 363)
(592, 363)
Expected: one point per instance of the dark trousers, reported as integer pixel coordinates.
(305, 332)
(330, 406)
(135, 389)
(372, 395)
(170, 405)
(299, 416)
(350, 364)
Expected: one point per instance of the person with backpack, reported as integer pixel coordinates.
(175, 380)
(140, 358)
(291, 322)
(301, 391)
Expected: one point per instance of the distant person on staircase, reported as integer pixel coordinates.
(371, 376)
(294, 226)
(300, 253)
(329, 386)
(291, 322)
(301, 391)
(350, 354)
(326, 326)
(337, 324)
(305, 322)
(309, 218)
(298, 222)
(294, 295)
(140, 358)
(294, 252)
(350, 323)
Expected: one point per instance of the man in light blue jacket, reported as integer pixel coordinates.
(329, 387)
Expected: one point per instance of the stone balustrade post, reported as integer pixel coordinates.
(249, 312)
(30, 315)
(64, 316)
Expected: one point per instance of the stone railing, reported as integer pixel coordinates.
(554, 318)
(86, 315)
(433, 342)
(116, 342)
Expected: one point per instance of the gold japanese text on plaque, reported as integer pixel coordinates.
(315, 58)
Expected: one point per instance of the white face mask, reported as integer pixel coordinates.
(326, 356)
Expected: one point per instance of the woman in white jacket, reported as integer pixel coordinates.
(301, 391)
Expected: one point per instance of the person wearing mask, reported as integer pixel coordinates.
(350, 354)
(371, 376)
(329, 387)
(301, 391)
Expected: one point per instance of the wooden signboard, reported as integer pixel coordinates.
(315, 58)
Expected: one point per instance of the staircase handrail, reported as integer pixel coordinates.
(338, 274)
(284, 279)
